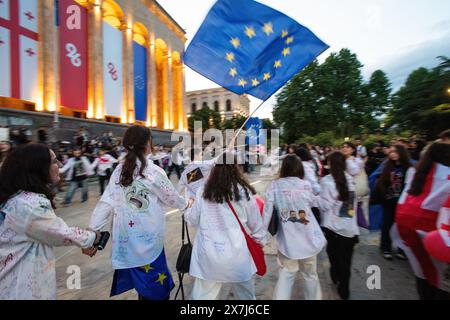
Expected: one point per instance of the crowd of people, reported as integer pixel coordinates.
(320, 200)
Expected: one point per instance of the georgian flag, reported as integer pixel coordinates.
(19, 49)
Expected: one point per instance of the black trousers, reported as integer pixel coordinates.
(102, 180)
(316, 213)
(340, 253)
(177, 169)
(389, 207)
(428, 292)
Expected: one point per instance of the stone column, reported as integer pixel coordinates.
(128, 75)
(95, 56)
(152, 84)
(170, 100)
(48, 56)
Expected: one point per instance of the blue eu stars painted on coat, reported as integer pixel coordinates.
(247, 47)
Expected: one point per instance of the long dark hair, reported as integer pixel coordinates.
(292, 167)
(337, 161)
(224, 180)
(27, 168)
(135, 141)
(385, 177)
(351, 145)
(4, 155)
(437, 152)
(303, 154)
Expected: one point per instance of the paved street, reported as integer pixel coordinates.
(397, 281)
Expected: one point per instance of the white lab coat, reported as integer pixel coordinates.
(69, 166)
(333, 218)
(311, 177)
(191, 183)
(220, 252)
(295, 240)
(138, 215)
(104, 163)
(28, 234)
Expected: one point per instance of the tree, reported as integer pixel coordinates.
(421, 104)
(209, 119)
(379, 90)
(234, 123)
(331, 97)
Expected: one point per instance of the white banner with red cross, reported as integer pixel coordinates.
(19, 49)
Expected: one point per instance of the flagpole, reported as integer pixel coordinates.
(242, 127)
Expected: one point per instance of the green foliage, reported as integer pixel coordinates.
(209, 119)
(420, 104)
(234, 123)
(331, 97)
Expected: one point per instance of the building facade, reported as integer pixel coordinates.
(115, 61)
(225, 102)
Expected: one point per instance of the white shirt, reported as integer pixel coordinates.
(70, 165)
(195, 176)
(138, 215)
(27, 237)
(220, 251)
(311, 177)
(104, 163)
(361, 151)
(333, 213)
(354, 167)
(297, 238)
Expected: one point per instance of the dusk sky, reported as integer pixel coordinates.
(396, 36)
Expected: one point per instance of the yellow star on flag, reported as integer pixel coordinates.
(255, 82)
(289, 40)
(233, 72)
(235, 42)
(284, 34)
(277, 64)
(242, 83)
(250, 32)
(268, 28)
(230, 56)
(161, 278)
(266, 76)
(286, 51)
(147, 268)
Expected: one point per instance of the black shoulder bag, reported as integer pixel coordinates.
(184, 258)
(274, 221)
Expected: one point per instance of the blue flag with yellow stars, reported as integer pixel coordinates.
(247, 47)
(152, 281)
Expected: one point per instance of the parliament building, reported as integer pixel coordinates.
(100, 61)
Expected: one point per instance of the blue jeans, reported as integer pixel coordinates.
(74, 185)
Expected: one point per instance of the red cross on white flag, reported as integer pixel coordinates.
(19, 49)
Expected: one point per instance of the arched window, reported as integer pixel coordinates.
(205, 105)
(216, 106)
(228, 105)
(194, 107)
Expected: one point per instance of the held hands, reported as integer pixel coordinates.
(92, 250)
(190, 202)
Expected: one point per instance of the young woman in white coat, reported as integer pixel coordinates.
(337, 204)
(29, 227)
(299, 237)
(220, 254)
(135, 199)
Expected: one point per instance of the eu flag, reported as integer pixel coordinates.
(247, 47)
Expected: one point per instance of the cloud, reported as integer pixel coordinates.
(399, 66)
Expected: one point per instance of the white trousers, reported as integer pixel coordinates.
(210, 290)
(288, 271)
